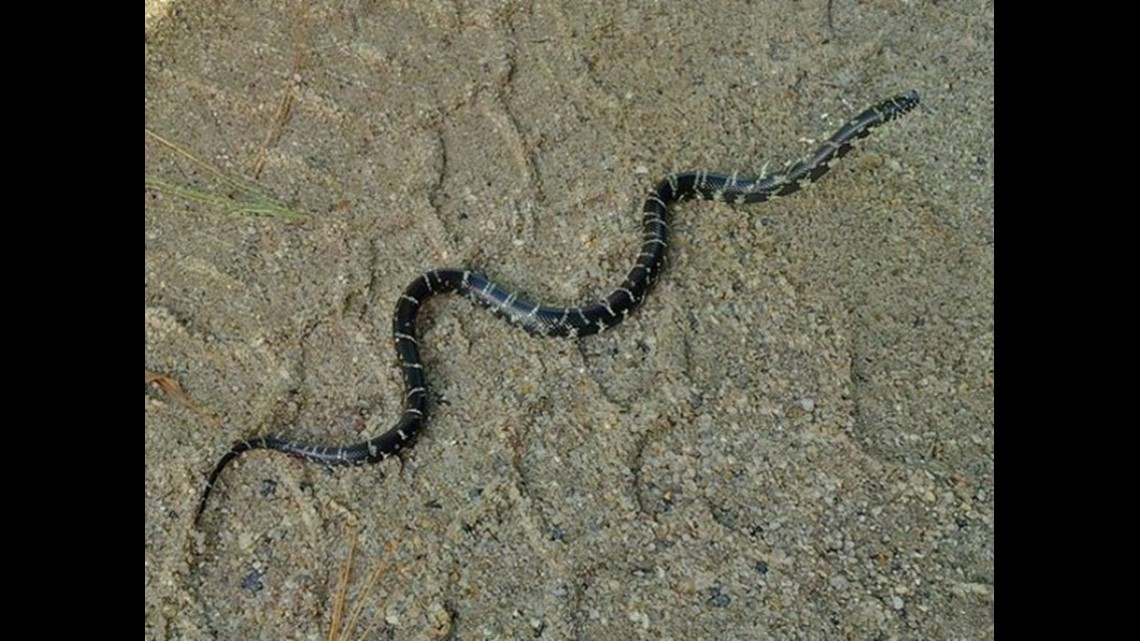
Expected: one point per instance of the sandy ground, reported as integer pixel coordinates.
(792, 439)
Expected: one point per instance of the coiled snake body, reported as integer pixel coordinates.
(566, 321)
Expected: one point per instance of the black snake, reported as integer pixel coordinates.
(570, 322)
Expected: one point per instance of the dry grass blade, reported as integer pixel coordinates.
(247, 198)
(340, 629)
(342, 588)
(285, 107)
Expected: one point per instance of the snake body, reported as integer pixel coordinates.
(568, 322)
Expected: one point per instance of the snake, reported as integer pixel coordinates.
(557, 321)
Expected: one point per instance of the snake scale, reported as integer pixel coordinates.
(568, 322)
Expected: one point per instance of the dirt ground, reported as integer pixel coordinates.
(793, 438)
